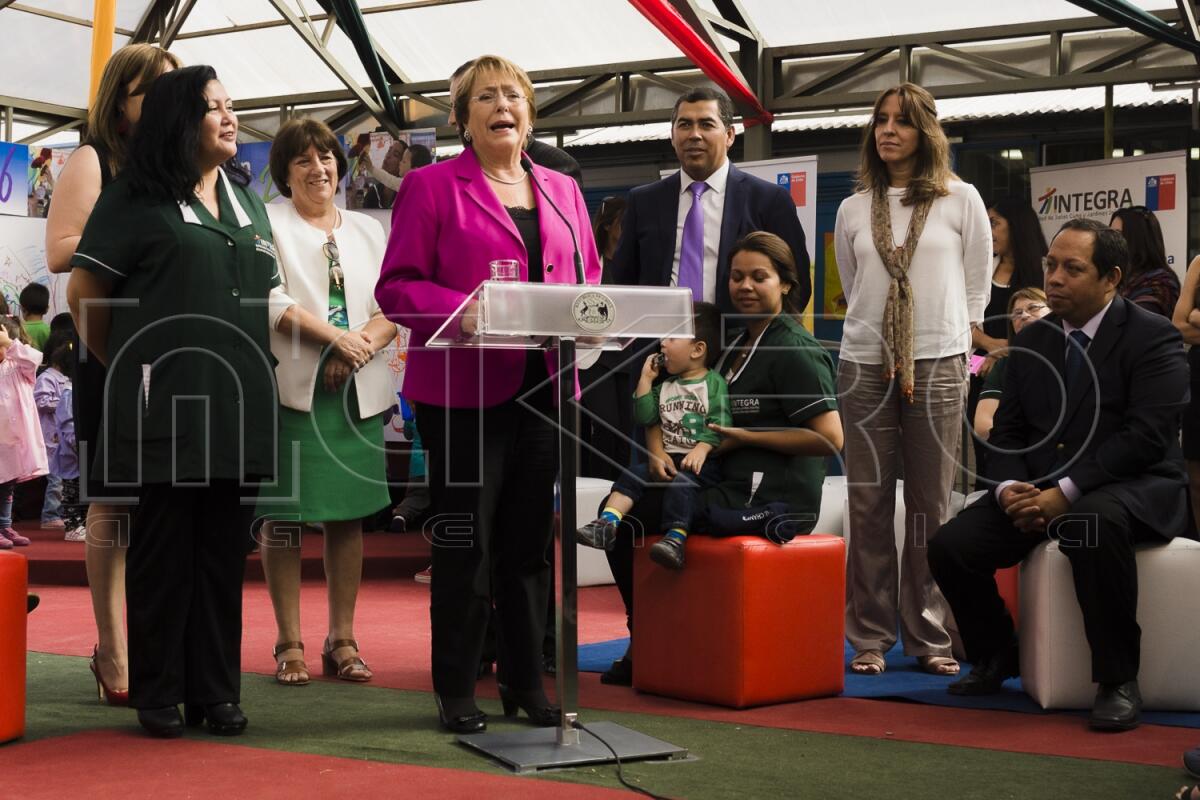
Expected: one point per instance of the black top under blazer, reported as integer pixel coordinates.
(1119, 426)
(646, 252)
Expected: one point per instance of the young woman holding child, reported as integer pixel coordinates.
(784, 412)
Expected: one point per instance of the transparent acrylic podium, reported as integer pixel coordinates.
(567, 317)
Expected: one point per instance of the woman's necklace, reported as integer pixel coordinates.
(492, 177)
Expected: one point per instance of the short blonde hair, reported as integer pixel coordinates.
(480, 66)
(140, 62)
(932, 175)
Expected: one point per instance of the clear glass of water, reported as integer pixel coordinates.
(504, 269)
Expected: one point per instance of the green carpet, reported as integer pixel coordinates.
(729, 761)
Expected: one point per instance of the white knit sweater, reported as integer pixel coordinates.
(950, 273)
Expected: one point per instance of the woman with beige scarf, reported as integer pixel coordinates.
(914, 252)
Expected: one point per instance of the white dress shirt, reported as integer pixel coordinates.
(713, 205)
(1068, 487)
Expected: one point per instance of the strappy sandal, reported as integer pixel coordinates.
(293, 672)
(348, 669)
(938, 665)
(868, 662)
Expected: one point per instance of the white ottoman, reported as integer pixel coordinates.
(591, 564)
(1056, 665)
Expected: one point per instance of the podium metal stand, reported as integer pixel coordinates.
(567, 317)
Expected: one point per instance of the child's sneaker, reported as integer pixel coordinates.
(13, 537)
(600, 533)
(53, 525)
(425, 575)
(668, 551)
(5, 544)
(76, 534)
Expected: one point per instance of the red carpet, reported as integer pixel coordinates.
(188, 768)
(393, 629)
(56, 562)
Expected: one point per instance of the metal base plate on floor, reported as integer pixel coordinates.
(538, 748)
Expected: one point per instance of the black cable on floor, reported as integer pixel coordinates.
(620, 774)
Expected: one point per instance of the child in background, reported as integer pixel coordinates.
(65, 464)
(20, 436)
(35, 302)
(683, 406)
(47, 394)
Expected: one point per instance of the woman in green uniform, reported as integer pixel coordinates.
(782, 398)
(782, 394)
(327, 331)
(170, 286)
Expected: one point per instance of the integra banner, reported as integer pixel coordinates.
(1096, 189)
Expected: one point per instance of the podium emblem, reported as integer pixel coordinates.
(593, 311)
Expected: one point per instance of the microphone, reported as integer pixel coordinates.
(527, 165)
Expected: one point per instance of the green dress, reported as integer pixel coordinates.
(332, 462)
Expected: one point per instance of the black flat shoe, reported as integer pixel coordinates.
(1118, 707)
(224, 719)
(165, 723)
(460, 715)
(620, 673)
(533, 702)
(989, 675)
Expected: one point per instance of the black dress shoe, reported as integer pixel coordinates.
(460, 715)
(989, 675)
(164, 722)
(620, 673)
(1118, 707)
(533, 702)
(549, 664)
(224, 719)
(1191, 762)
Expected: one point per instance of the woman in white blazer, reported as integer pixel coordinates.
(327, 330)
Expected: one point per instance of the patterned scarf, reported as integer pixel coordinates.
(898, 313)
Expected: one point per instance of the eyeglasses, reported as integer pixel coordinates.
(1030, 311)
(336, 276)
(492, 98)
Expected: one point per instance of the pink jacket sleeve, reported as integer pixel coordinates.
(26, 360)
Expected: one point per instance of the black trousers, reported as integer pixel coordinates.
(183, 585)
(644, 518)
(1097, 537)
(606, 420)
(491, 474)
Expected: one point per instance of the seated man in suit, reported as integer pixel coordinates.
(678, 231)
(1085, 449)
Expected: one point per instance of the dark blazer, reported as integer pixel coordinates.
(1119, 426)
(646, 251)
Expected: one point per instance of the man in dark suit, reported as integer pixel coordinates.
(1085, 449)
(656, 247)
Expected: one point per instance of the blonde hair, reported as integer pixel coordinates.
(932, 175)
(135, 62)
(1026, 293)
(481, 65)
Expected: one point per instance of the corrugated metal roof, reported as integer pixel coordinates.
(949, 110)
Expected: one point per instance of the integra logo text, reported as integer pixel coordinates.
(1083, 202)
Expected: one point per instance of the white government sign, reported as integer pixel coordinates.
(1096, 189)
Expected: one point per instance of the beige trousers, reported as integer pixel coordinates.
(884, 432)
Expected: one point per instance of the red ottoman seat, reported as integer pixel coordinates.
(13, 586)
(747, 622)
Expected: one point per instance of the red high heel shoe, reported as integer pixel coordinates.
(114, 697)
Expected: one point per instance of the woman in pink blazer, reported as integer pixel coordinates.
(484, 416)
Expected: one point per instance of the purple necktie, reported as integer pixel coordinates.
(691, 249)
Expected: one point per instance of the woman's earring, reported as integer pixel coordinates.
(529, 136)
(467, 137)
